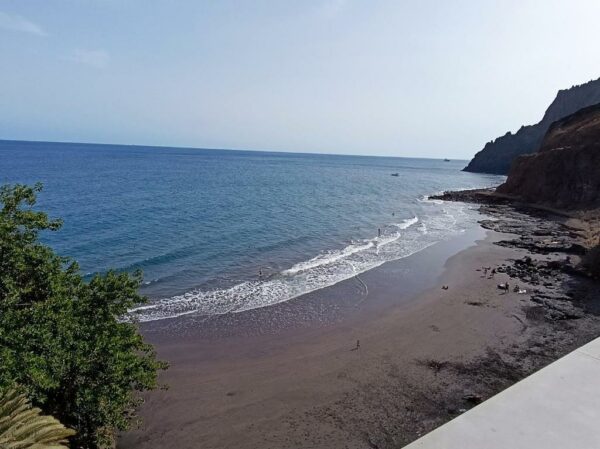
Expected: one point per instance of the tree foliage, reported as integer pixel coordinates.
(23, 427)
(62, 337)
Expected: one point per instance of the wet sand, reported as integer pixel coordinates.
(290, 376)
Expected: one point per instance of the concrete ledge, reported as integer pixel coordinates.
(556, 407)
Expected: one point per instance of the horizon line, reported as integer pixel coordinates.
(223, 149)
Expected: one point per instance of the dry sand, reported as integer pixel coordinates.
(424, 357)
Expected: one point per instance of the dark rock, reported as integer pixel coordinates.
(554, 264)
(565, 172)
(558, 307)
(473, 399)
(498, 155)
(478, 196)
(591, 262)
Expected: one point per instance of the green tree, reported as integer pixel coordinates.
(63, 339)
(23, 427)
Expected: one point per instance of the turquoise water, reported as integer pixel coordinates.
(220, 231)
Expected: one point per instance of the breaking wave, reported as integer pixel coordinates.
(397, 240)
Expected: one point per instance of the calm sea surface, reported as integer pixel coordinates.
(225, 231)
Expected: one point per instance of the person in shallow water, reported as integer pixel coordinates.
(379, 232)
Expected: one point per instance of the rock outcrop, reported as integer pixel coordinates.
(565, 172)
(498, 155)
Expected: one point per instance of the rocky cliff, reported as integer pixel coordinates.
(565, 172)
(497, 155)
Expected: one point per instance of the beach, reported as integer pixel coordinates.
(299, 225)
(378, 360)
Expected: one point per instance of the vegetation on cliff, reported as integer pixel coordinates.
(61, 338)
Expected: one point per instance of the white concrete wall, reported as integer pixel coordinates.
(556, 407)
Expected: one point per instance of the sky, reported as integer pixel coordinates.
(398, 78)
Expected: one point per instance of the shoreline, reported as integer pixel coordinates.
(426, 354)
(311, 275)
(362, 296)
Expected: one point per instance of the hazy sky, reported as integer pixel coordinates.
(406, 78)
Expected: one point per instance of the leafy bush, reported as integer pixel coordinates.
(62, 338)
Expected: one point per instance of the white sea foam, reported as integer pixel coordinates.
(328, 258)
(398, 240)
(407, 223)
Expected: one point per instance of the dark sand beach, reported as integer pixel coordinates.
(291, 375)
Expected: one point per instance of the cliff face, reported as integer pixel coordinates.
(498, 155)
(565, 172)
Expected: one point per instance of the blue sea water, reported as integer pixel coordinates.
(219, 231)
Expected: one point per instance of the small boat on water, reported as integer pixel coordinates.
(395, 174)
(446, 160)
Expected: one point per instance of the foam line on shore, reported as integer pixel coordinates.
(399, 240)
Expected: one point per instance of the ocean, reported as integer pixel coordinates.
(220, 231)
